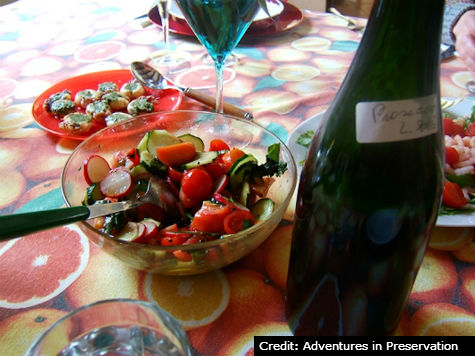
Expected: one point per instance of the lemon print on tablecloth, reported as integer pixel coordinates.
(466, 253)
(436, 280)
(314, 44)
(295, 73)
(271, 100)
(7, 88)
(12, 186)
(253, 68)
(461, 79)
(105, 277)
(442, 319)
(243, 343)
(19, 331)
(41, 65)
(193, 300)
(202, 77)
(285, 54)
(450, 238)
(15, 116)
(467, 287)
(96, 52)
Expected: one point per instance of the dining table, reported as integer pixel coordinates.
(287, 73)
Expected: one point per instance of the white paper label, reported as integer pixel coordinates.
(398, 120)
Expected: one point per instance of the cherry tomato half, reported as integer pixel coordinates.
(230, 157)
(453, 195)
(175, 175)
(210, 217)
(218, 145)
(197, 184)
(173, 238)
(216, 168)
(451, 155)
(238, 220)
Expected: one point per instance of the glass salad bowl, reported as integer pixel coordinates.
(194, 258)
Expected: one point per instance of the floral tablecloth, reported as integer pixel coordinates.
(283, 79)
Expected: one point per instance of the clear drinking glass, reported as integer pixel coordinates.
(172, 61)
(114, 327)
(219, 25)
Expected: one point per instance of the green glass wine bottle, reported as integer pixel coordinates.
(371, 186)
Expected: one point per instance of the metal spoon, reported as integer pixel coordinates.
(152, 78)
(16, 225)
(351, 24)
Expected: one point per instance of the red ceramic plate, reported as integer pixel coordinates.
(289, 18)
(167, 99)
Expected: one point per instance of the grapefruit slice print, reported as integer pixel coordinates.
(39, 267)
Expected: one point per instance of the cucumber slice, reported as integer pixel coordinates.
(92, 194)
(139, 171)
(142, 146)
(156, 138)
(152, 164)
(244, 197)
(129, 232)
(195, 140)
(240, 169)
(201, 159)
(262, 209)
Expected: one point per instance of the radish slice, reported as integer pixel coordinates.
(142, 229)
(117, 183)
(95, 169)
(221, 183)
(151, 229)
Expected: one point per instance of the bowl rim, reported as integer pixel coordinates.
(291, 167)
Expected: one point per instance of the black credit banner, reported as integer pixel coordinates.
(303, 345)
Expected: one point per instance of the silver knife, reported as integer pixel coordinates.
(16, 225)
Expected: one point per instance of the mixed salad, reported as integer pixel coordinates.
(459, 184)
(204, 194)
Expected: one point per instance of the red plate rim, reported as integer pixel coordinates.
(169, 99)
(290, 17)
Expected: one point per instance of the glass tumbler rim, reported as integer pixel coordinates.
(166, 318)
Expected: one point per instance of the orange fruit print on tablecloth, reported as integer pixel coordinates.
(32, 268)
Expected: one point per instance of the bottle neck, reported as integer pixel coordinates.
(407, 29)
(399, 49)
